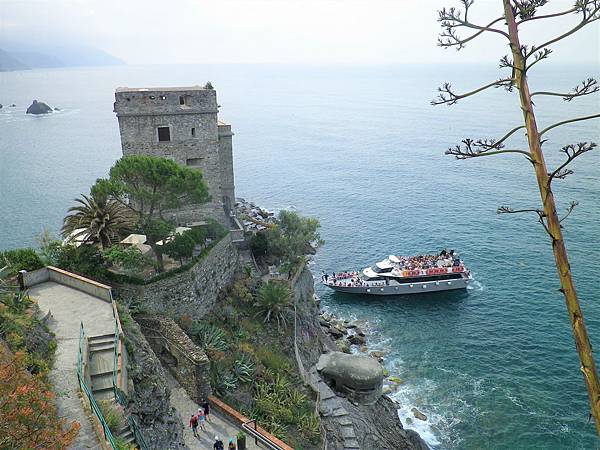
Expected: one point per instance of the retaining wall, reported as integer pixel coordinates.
(187, 362)
(28, 279)
(193, 292)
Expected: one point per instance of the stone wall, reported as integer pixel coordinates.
(187, 362)
(193, 292)
(149, 393)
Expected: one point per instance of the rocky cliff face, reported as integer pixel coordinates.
(346, 425)
(149, 394)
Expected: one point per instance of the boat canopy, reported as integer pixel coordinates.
(385, 264)
(394, 259)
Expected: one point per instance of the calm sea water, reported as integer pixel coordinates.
(361, 148)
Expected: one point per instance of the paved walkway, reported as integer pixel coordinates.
(69, 307)
(218, 426)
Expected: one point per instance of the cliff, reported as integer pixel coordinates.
(149, 393)
(345, 425)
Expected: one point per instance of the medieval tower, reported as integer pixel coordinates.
(180, 123)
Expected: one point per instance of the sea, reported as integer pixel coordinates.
(362, 149)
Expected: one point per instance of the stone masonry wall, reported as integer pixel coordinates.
(195, 140)
(187, 362)
(193, 292)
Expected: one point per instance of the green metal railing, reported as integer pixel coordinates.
(95, 408)
(137, 434)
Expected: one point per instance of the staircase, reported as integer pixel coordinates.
(102, 361)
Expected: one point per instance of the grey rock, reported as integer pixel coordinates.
(38, 108)
(418, 414)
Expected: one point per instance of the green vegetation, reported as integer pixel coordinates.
(288, 242)
(180, 247)
(273, 302)
(22, 330)
(98, 219)
(20, 259)
(149, 186)
(113, 414)
(130, 259)
(252, 365)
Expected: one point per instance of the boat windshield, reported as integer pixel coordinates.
(378, 270)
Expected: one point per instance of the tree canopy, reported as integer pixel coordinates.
(149, 185)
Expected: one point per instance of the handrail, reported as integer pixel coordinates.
(258, 436)
(137, 434)
(93, 405)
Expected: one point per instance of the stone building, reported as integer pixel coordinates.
(181, 123)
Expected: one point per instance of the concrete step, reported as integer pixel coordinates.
(126, 435)
(104, 394)
(348, 432)
(102, 347)
(101, 337)
(102, 381)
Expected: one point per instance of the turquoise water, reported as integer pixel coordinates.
(361, 148)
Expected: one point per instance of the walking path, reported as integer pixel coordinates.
(218, 426)
(69, 307)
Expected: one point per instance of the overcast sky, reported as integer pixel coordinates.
(274, 31)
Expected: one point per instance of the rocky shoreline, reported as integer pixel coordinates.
(351, 336)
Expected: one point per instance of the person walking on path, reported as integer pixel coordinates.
(218, 445)
(231, 445)
(194, 424)
(202, 419)
(206, 408)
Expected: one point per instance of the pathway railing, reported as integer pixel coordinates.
(84, 388)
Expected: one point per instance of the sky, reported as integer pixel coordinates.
(276, 31)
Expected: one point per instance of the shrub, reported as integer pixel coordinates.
(20, 259)
(130, 259)
(85, 259)
(28, 416)
(180, 247)
(113, 414)
(221, 380)
(273, 360)
(308, 426)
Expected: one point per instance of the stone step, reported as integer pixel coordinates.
(348, 432)
(340, 412)
(351, 444)
(344, 420)
(127, 435)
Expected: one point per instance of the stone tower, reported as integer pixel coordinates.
(180, 123)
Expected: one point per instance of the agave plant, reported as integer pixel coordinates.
(273, 301)
(243, 369)
(97, 219)
(221, 381)
(210, 338)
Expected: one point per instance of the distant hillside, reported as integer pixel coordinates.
(19, 57)
(8, 62)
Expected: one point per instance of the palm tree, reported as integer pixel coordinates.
(98, 219)
(273, 300)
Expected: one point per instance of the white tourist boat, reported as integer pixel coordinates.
(401, 275)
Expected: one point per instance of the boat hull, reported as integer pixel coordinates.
(404, 289)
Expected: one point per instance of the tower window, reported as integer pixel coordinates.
(193, 132)
(184, 100)
(164, 134)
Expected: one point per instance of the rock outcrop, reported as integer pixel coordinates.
(358, 377)
(149, 394)
(347, 426)
(38, 108)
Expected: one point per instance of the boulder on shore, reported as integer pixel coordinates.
(418, 414)
(38, 108)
